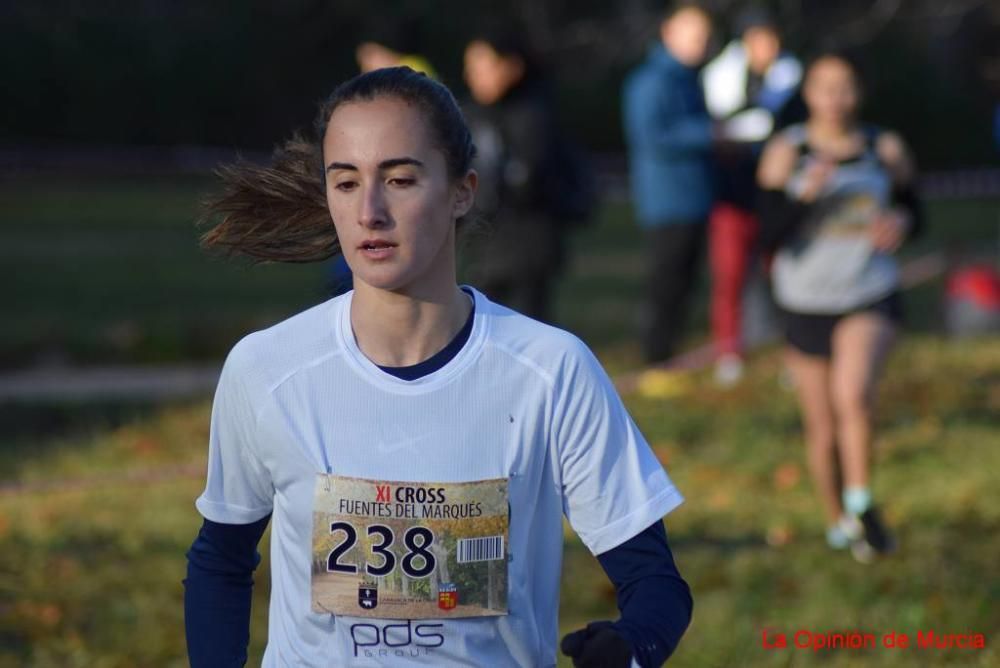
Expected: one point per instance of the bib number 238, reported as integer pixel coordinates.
(417, 562)
(409, 550)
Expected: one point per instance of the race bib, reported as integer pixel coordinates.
(405, 550)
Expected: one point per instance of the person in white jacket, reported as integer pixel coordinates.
(749, 87)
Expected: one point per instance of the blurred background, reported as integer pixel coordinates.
(115, 324)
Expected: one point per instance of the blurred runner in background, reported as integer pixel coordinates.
(838, 201)
(747, 87)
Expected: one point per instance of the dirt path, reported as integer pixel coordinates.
(119, 383)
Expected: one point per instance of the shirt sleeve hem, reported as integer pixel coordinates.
(612, 535)
(223, 513)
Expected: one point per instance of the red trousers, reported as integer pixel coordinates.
(732, 233)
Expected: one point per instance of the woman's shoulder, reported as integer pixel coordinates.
(892, 151)
(795, 135)
(649, 76)
(888, 143)
(781, 154)
(550, 350)
(290, 343)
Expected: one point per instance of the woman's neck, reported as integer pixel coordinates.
(396, 329)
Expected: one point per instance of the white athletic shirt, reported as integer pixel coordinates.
(521, 400)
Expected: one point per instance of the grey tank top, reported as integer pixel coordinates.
(830, 266)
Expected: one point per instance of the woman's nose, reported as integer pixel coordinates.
(373, 210)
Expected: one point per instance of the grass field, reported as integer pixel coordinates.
(95, 519)
(90, 570)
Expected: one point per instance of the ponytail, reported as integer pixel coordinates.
(276, 213)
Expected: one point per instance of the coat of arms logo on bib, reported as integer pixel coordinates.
(367, 596)
(447, 596)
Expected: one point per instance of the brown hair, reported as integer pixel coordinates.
(279, 212)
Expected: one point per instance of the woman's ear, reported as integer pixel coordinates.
(465, 193)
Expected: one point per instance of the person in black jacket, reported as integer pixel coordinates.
(513, 125)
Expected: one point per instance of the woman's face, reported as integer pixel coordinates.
(762, 46)
(488, 74)
(831, 91)
(391, 197)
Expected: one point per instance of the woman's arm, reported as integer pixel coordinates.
(777, 162)
(218, 591)
(905, 219)
(781, 214)
(653, 599)
(614, 487)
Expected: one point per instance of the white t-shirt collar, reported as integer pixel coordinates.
(341, 321)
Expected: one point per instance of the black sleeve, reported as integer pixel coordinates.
(780, 216)
(218, 591)
(653, 599)
(905, 197)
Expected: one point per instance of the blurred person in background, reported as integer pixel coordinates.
(524, 169)
(837, 201)
(389, 44)
(747, 87)
(393, 44)
(533, 185)
(669, 136)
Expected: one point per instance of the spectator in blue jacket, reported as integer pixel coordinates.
(669, 136)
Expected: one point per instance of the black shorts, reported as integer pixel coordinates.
(812, 333)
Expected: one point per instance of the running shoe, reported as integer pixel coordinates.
(847, 530)
(875, 540)
(728, 370)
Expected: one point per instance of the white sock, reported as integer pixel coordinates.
(857, 500)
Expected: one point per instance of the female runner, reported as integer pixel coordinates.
(837, 203)
(414, 445)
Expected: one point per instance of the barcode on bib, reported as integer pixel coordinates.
(480, 549)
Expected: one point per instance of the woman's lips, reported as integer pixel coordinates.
(377, 249)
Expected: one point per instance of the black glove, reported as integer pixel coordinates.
(599, 645)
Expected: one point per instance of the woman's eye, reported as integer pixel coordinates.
(402, 181)
(346, 186)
